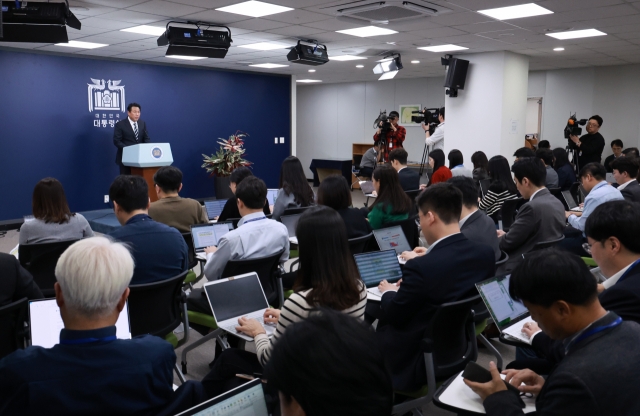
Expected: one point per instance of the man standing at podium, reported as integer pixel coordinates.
(128, 132)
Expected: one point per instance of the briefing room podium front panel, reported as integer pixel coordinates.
(145, 159)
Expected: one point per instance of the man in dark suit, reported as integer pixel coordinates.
(475, 224)
(16, 283)
(90, 371)
(409, 179)
(625, 172)
(128, 132)
(540, 219)
(599, 374)
(446, 273)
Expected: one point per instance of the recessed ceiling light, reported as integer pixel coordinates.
(516, 12)
(268, 66)
(186, 58)
(308, 81)
(84, 45)
(443, 48)
(265, 46)
(145, 30)
(415, 62)
(558, 49)
(312, 70)
(364, 32)
(346, 58)
(254, 8)
(359, 66)
(575, 34)
(388, 75)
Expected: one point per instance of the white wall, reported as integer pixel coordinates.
(333, 116)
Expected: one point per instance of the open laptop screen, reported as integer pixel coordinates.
(392, 238)
(568, 198)
(291, 222)
(214, 208)
(246, 400)
(272, 195)
(503, 309)
(377, 266)
(236, 296)
(46, 323)
(208, 234)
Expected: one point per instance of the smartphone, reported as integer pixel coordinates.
(500, 225)
(475, 372)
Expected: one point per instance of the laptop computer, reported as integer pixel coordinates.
(367, 187)
(570, 201)
(214, 208)
(376, 266)
(238, 296)
(272, 195)
(610, 178)
(392, 238)
(508, 315)
(247, 399)
(207, 235)
(45, 323)
(291, 222)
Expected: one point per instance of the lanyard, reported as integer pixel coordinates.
(80, 341)
(594, 331)
(625, 274)
(254, 219)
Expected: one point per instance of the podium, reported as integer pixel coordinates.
(145, 159)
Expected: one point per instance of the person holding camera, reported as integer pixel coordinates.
(437, 138)
(394, 135)
(590, 145)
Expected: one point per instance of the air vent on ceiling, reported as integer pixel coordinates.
(387, 11)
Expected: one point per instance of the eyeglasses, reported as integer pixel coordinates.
(587, 247)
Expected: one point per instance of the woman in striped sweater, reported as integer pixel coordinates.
(327, 277)
(502, 187)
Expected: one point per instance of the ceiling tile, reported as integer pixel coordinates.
(165, 8)
(296, 31)
(297, 17)
(214, 16)
(259, 24)
(439, 32)
(104, 23)
(132, 17)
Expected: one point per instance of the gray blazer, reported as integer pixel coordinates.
(631, 192)
(540, 219)
(479, 227)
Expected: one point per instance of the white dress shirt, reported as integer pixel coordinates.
(614, 279)
(437, 138)
(624, 185)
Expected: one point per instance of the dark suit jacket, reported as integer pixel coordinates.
(230, 209)
(15, 282)
(540, 219)
(599, 376)
(159, 251)
(120, 377)
(356, 223)
(409, 179)
(447, 273)
(124, 136)
(631, 192)
(479, 227)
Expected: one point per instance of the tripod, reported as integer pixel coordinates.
(425, 154)
(573, 152)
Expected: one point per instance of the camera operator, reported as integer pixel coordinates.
(394, 137)
(590, 145)
(437, 138)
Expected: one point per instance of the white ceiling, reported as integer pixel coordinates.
(620, 19)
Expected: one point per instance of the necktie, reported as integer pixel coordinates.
(135, 130)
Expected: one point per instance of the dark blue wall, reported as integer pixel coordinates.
(46, 128)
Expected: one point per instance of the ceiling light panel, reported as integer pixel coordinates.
(367, 31)
(308, 81)
(186, 58)
(145, 30)
(443, 48)
(83, 45)
(516, 12)
(265, 46)
(346, 58)
(254, 8)
(268, 66)
(576, 34)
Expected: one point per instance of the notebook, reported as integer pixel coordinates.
(214, 208)
(508, 315)
(272, 195)
(237, 296)
(392, 238)
(571, 202)
(247, 399)
(291, 222)
(45, 323)
(207, 235)
(376, 266)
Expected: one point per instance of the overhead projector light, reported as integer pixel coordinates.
(308, 52)
(196, 41)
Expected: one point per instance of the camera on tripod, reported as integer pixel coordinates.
(428, 116)
(382, 122)
(573, 127)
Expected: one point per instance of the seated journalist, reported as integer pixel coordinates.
(90, 372)
(16, 282)
(599, 374)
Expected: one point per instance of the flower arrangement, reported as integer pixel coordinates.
(228, 157)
